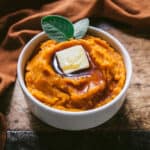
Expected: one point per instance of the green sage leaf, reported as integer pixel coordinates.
(57, 27)
(80, 28)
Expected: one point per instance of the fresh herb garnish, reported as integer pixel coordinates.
(80, 28)
(57, 28)
(61, 29)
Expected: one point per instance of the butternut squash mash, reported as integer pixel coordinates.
(85, 90)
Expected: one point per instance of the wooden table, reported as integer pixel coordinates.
(128, 129)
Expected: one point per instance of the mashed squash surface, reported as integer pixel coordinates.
(85, 90)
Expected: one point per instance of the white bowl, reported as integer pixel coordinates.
(74, 120)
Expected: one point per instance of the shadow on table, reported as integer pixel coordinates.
(5, 99)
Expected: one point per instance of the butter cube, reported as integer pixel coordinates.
(72, 59)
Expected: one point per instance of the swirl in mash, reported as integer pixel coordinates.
(100, 84)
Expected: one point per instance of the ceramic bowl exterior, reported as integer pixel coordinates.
(74, 120)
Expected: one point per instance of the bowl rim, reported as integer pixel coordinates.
(86, 112)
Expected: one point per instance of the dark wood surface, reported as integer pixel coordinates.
(29, 140)
(128, 129)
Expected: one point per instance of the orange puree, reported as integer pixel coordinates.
(99, 85)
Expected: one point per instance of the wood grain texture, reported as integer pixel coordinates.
(134, 114)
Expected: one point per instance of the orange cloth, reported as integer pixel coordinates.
(20, 20)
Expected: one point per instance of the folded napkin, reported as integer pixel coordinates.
(20, 20)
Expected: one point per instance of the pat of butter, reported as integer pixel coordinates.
(72, 59)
